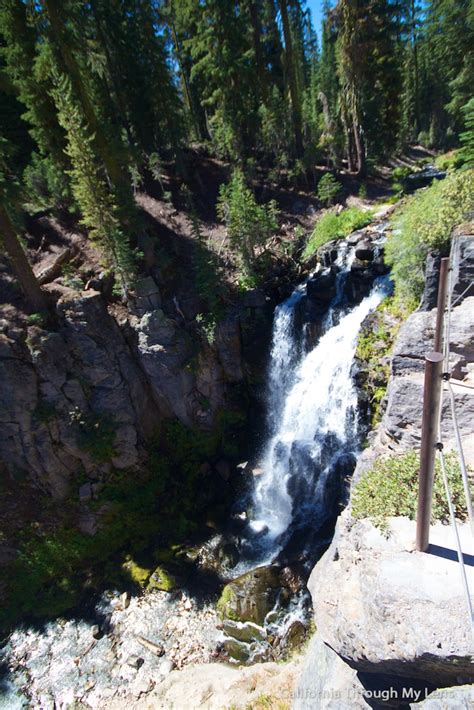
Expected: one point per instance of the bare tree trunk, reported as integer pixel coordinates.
(360, 149)
(21, 266)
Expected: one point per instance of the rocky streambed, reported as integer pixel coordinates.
(134, 645)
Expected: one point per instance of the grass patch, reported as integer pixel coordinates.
(390, 488)
(374, 345)
(336, 226)
(425, 222)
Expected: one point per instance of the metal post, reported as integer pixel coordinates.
(442, 288)
(429, 439)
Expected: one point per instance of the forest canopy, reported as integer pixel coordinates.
(95, 95)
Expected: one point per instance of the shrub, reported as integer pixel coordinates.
(374, 344)
(328, 189)
(390, 488)
(449, 161)
(336, 226)
(424, 222)
(249, 225)
(400, 179)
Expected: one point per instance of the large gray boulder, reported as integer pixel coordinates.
(386, 609)
(326, 682)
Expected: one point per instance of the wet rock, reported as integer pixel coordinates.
(322, 287)
(245, 632)
(237, 650)
(254, 299)
(251, 596)
(223, 469)
(327, 254)
(125, 600)
(292, 580)
(295, 636)
(365, 250)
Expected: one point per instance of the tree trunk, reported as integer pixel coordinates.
(257, 47)
(360, 149)
(21, 266)
(290, 70)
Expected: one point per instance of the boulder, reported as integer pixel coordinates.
(162, 580)
(458, 698)
(237, 650)
(322, 287)
(246, 632)
(364, 250)
(430, 291)
(326, 682)
(386, 609)
(251, 596)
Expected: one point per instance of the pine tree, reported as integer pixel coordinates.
(98, 204)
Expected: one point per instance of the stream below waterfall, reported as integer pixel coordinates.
(281, 524)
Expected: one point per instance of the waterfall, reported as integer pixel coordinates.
(313, 427)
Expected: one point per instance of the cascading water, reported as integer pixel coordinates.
(313, 423)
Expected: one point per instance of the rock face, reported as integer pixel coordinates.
(397, 612)
(81, 401)
(85, 396)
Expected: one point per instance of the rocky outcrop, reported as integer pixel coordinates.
(83, 395)
(376, 619)
(72, 399)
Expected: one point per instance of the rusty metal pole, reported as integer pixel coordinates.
(429, 440)
(442, 291)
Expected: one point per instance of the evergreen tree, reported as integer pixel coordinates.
(98, 204)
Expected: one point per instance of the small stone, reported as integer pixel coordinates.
(96, 631)
(188, 605)
(135, 662)
(125, 600)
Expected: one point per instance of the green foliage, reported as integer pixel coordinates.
(452, 160)
(95, 434)
(423, 222)
(99, 208)
(45, 183)
(390, 488)
(249, 225)
(39, 319)
(336, 226)
(400, 179)
(374, 345)
(328, 189)
(467, 137)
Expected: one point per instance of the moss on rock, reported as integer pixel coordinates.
(161, 579)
